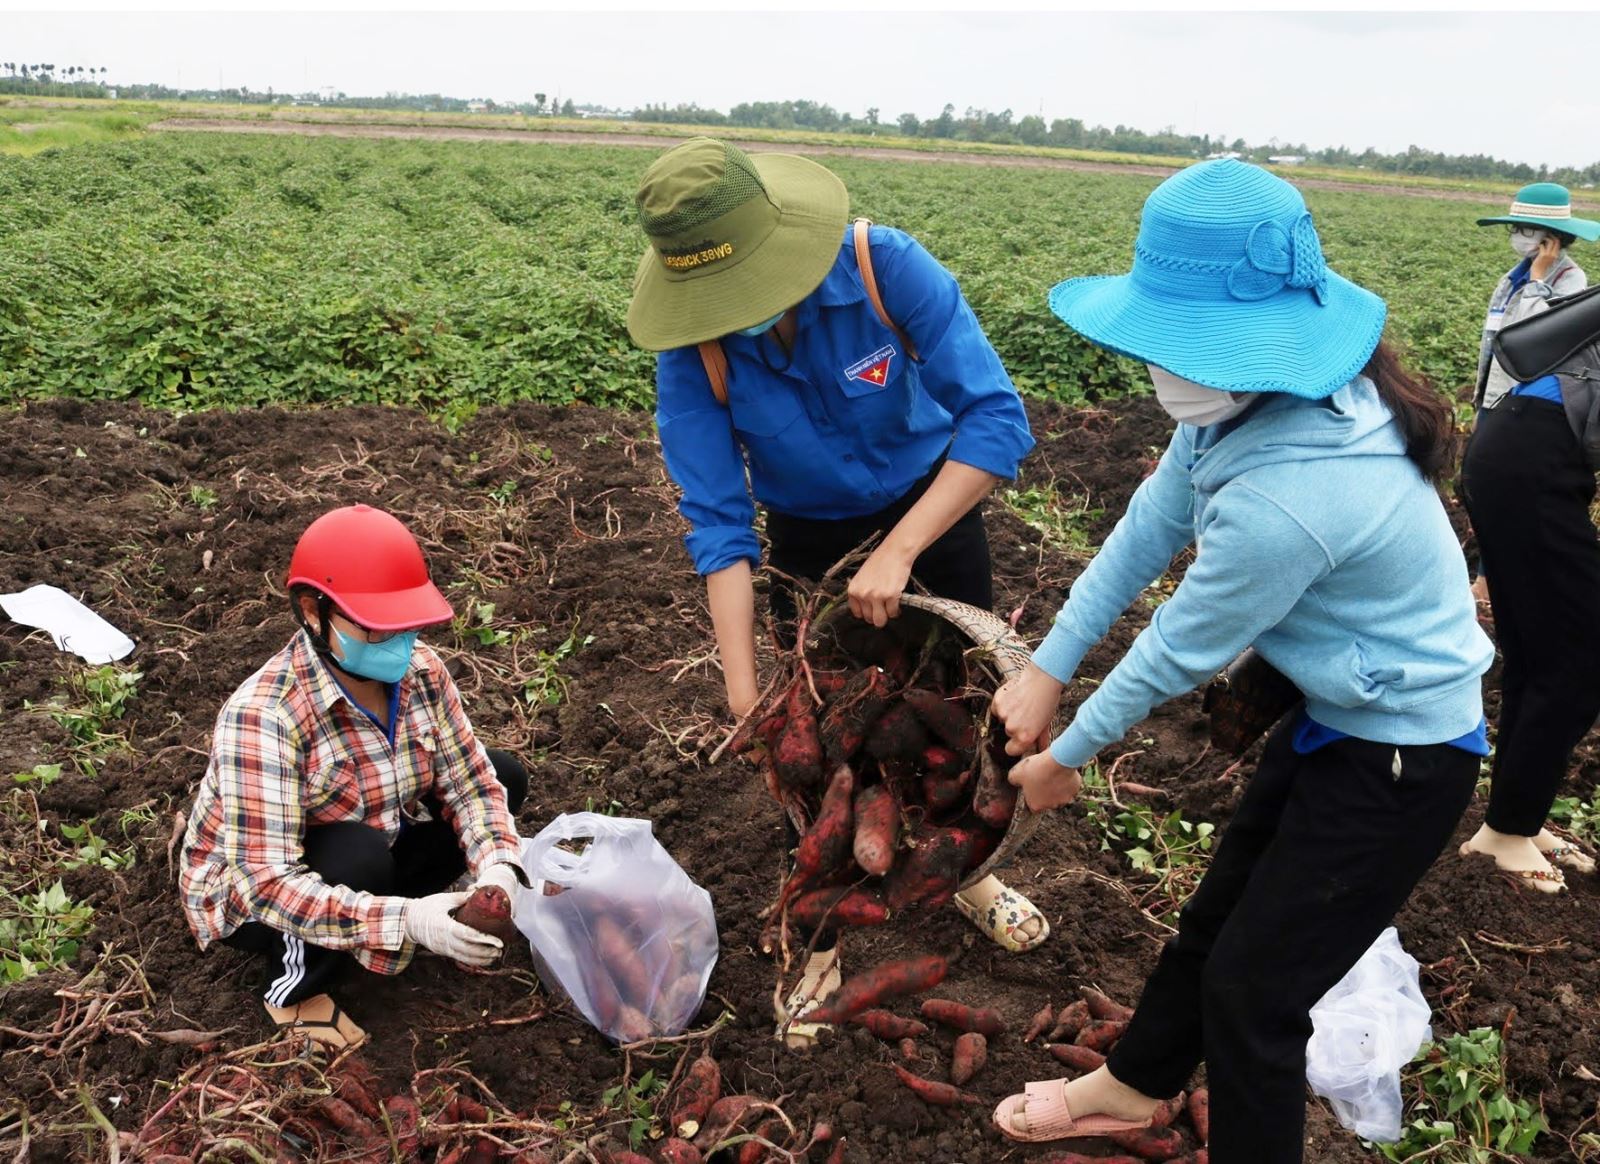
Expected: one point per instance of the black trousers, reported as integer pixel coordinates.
(1321, 854)
(955, 566)
(425, 859)
(1528, 492)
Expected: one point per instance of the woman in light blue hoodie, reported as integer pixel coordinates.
(1303, 471)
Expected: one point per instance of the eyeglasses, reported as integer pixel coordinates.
(366, 633)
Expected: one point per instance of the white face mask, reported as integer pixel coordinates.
(1191, 403)
(1525, 240)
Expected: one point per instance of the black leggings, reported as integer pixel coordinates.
(1321, 853)
(425, 859)
(1528, 492)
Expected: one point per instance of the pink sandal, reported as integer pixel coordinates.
(1049, 1119)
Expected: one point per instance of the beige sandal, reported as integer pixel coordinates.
(1001, 914)
(820, 979)
(319, 1019)
(1045, 1105)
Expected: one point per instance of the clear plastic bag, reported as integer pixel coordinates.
(619, 927)
(1367, 1028)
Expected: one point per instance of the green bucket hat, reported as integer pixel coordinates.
(1546, 204)
(734, 240)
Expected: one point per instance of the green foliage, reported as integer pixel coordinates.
(89, 848)
(1170, 851)
(193, 271)
(636, 1104)
(39, 931)
(1461, 1112)
(1581, 817)
(478, 626)
(202, 498)
(546, 686)
(98, 697)
(41, 775)
(1060, 519)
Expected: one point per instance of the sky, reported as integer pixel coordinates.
(1441, 80)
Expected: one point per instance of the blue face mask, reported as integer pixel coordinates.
(386, 661)
(762, 327)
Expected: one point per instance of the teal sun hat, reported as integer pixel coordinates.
(1549, 205)
(1229, 289)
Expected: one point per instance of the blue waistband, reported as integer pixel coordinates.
(1309, 735)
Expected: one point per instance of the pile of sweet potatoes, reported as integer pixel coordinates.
(892, 768)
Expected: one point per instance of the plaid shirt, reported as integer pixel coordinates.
(291, 750)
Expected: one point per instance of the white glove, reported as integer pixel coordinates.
(429, 924)
(503, 877)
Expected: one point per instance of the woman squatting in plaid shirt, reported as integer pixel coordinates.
(346, 790)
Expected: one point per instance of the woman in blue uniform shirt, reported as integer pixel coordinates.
(780, 383)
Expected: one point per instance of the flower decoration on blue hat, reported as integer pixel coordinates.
(1275, 258)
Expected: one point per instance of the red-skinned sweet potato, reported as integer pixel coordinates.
(1039, 1023)
(889, 1027)
(947, 719)
(488, 910)
(754, 1151)
(941, 793)
(877, 813)
(1200, 1113)
(839, 906)
(724, 1118)
(676, 1151)
(1167, 1111)
(797, 757)
(1150, 1143)
(1103, 1008)
(929, 875)
(898, 735)
(826, 845)
(1075, 1056)
(931, 1091)
(871, 987)
(701, 1087)
(994, 799)
(961, 1017)
(853, 712)
(970, 1054)
(1101, 1036)
(1072, 1019)
(619, 955)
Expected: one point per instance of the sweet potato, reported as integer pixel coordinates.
(797, 756)
(826, 844)
(994, 799)
(723, 1118)
(837, 1155)
(941, 793)
(1072, 1019)
(930, 1091)
(971, 1053)
(1075, 1056)
(959, 1016)
(1167, 1111)
(1039, 1023)
(1101, 1007)
(676, 1151)
(930, 874)
(947, 719)
(754, 1151)
(839, 906)
(1200, 1113)
(618, 953)
(404, 1120)
(1100, 1036)
(852, 714)
(908, 1050)
(1150, 1143)
(701, 1087)
(633, 1025)
(898, 735)
(680, 1000)
(938, 760)
(869, 988)
(889, 1027)
(877, 828)
(488, 910)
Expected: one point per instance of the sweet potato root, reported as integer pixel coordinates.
(941, 793)
(1075, 1056)
(1101, 1036)
(994, 799)
(1167, 1111)
(754, 1151)
(619, 955)
(947, 719)
(488, 911)
(877, 814)
(1103, 1008)
(869, 988)
(827, 842)
(839, 906)
(889, 1027)
(970, 1054)
(930, 1091)
(898, 735)
(724, 1117)
(1200, 1113)
(797, 755)
(961, 1017)
(930, 874)
(701, 1087)
(676, 1151)
(1072, 1019)
(852, 714)
(1039, 1023)
(1150, 1143)
(837, 1155)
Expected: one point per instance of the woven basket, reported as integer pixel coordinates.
(993, 645)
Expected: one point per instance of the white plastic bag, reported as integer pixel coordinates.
(1367, 1028)
(619, 928)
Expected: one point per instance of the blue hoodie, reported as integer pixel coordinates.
(1318, 541)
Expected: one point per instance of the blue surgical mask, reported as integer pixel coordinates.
(762, 327)
(386, 661)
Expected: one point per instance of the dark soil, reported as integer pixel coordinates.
(178, 529)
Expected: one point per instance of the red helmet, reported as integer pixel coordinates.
(371, 567)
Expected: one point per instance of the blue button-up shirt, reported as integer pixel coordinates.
(848, 424)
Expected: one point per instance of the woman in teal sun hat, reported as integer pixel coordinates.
(1303, 472)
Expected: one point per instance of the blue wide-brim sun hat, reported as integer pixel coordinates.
(1229, 289)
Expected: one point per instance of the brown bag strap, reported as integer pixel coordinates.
(870, 281)
(716, 363)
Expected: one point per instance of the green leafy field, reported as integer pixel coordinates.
(195, 270)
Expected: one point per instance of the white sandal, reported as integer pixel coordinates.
(1001, 913)
(820, 979)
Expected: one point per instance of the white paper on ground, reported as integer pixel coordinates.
(73, 625)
